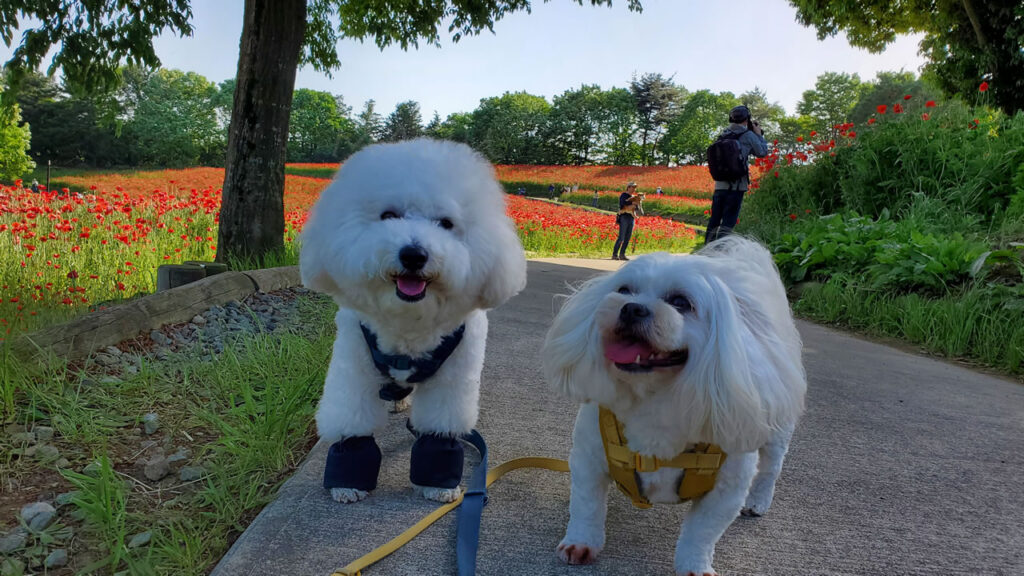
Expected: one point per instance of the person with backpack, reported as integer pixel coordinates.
(728, 163)
(630, 205)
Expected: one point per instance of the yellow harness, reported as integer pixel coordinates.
(700, 466)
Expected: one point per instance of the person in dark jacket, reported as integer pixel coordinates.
(728, 197)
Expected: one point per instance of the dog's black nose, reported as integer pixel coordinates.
(412, 257)
(632, 313)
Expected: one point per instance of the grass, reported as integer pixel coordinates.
(974, 324)
(246, 417)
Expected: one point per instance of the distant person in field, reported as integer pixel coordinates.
(630, 204)
(732, 174)
(35, 186)
(551, 189)
(659, 191)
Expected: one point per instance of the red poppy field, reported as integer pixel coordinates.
(101, 237)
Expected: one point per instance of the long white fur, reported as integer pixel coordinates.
(350, 253)
(742, 387)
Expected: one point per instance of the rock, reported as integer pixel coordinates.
(46, 453)
(151, 422)
(62, 463)
(30, 511)
(23, 438)
(43, 433)
(105, 360)
(131, 370)
(140, 539)
(87, 382)
(147, 444)
(12, 567)
(65, 498)
(42, 520)
(198, 320)
(30, 451)
(178, 457)
(92, 469)
(112, 350)
(56, 559)
(14, 541)
(159, 337)
(157, 468)
(191, 473)
(110, 380)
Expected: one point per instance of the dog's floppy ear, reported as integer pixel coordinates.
(722, 378)
(504, 264)
(312, 260)
(570, 365)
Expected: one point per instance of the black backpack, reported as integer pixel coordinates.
(725, 160)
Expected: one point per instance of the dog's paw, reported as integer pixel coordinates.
(443, 495)
(755, 506)
(577, 554)
(348, 495)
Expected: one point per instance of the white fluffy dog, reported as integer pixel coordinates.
(683, 350)
(412, 241)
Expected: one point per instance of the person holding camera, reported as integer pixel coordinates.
(630, 203)
(728, 160)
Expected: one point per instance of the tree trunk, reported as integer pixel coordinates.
(976, 24)
(252, 210)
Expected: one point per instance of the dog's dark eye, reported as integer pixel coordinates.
(624, 290)
(388, 215)
(446, 223)
(680, 303)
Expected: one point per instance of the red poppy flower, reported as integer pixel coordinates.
(882, 108)
(929, 104)
(898, 109)
(925, 116)
(799, 138)
(983, 87)
(871, 120)
(792, 216)
(906, 96)
(814, 133)
(72, 275)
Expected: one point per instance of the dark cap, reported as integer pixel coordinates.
(739, 114)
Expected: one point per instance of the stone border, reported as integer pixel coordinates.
(97, 330)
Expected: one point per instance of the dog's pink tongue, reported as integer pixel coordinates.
(411, 286)
(626, 352)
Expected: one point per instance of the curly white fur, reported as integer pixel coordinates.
(741, 387)
(384, 198)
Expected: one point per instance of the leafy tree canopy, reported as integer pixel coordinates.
(966, 41)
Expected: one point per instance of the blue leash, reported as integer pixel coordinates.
(467, 534)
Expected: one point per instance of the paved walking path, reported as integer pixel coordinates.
(902, 465)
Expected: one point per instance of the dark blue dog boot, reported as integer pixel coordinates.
(436, 461)
(353, 463)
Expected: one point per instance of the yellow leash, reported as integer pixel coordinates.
(355, 568)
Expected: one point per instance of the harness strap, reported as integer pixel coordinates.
(469, 518)
(423, 368)
(700, 466)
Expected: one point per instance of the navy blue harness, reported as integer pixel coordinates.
(423, 367)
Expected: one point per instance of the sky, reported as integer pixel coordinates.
(732, 45)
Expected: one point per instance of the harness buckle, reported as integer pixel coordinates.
(643, 463)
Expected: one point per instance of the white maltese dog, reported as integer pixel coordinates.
(668, 355)
(412, 241)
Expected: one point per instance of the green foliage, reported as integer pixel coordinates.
(509, 129)
(94, 38)
(964, 41)
(14, 143)
(173, 120)
(457, 127)
(658, 102)
(404, 123)
(831, 100)
(884, 254)
(319, 129)
(889, 88)
(702, 118)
